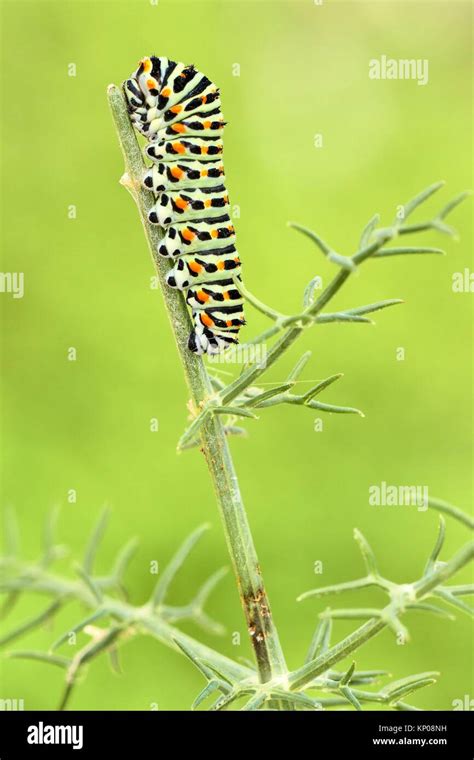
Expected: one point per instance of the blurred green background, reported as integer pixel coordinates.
(84, 425)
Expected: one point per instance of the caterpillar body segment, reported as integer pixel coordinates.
(214, 294)
(176, 149)
(189, 237)
(178, 110)
(185, 174)
(189, 204)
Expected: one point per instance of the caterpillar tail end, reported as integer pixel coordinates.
(207, 343)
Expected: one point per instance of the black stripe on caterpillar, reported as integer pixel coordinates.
(177, 109)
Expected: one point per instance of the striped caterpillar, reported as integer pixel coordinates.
(178, 110)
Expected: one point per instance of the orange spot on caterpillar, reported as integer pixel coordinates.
(214, 233)
(178, 128)
(204, 149)
(207, 124)
(181, 203)
(206, 320)
(220, 265)
(178, 147)
(151, 84)
(147, 65)
(176, 109)
(177, 172)
(207, 203)
(194, 267)
(204, 173)
(166, 92)
(187, 234)
(229, 323)
(226, 295)
(202, 297)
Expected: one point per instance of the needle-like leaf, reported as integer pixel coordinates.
(168, 574)
(94, 541)
(32, 623)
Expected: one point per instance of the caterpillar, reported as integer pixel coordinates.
(178, 110)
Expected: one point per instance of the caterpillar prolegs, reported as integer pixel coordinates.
(178, 110)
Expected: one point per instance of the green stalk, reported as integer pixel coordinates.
(260, 626)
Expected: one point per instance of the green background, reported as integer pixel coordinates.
(85, 424)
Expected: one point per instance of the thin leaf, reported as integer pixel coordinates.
(323, 247)
(330, 253)
(316, 389)
(90, 583)
(342, 316)
(51, 659)
(299, 367)
(454, 601)
(124, 557)
(9, 604)
(308, 294)
(209, 585)
(114, 660)
(337, 588)
(367, 553)
(384, 252)
(454, 203)
(209, 689)
(238, 411)
(432, 608)
(409, 207)
(350, 696)
(94, 541)
(175, 564)
(199, 664)
(256, 400)
(449, 509)
(405, 686)
(437, 547)
(377, 306)
(346, 678)
(361, 613)
(368, 230)
(320, 641)
(32, 623)
(191, 431)
(77, 628)
(331, 409)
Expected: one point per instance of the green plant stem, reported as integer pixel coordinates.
(349, 644)
(260, 625)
